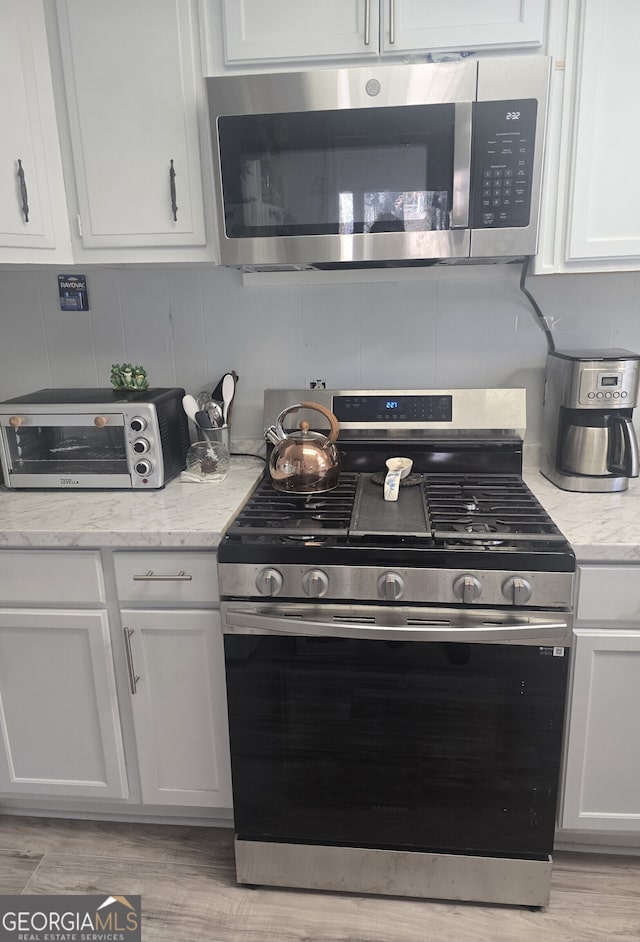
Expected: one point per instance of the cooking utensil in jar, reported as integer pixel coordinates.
(203, 420)
(304, 461)
(398, 468)
(228, 392)
(214, 411)
(191, 407)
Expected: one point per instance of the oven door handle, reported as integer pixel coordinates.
(238, 621)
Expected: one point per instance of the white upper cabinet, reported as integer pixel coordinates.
(133, 85)
(256, 31)
(267, 31)
(33, 216)
(414, 26)
(591, 192)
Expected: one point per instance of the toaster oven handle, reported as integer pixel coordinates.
(463, 124)
(244, 622)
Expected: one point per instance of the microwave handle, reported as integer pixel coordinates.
(463, 124)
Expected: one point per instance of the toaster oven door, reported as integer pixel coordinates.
(81, 450)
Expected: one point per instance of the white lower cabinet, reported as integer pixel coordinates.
(59, 722)
(177, 683)
(602, 777)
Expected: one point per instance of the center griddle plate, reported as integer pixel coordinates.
(375, 516)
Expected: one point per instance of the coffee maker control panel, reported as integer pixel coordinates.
(609, 387)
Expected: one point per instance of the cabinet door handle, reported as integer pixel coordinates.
(367, 22)
(392, 21)
(172, 190)
(133, 677)
(151, 576)
(23, 192)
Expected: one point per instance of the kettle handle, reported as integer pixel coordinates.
(327, 413)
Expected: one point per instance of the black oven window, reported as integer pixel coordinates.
(66, 449)
(447, 747)
(337, 172)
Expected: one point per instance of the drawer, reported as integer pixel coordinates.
(39, 577)
(608, 595)
(167, 578)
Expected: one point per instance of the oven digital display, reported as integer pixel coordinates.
(393, 408)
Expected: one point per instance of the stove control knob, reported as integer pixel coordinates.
(467, 588)
(517, 590)
(269, 582)
(391, 586)
(315, 583)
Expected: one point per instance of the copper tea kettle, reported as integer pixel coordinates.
(302, 461)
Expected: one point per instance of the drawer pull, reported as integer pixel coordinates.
(133, 677)
(152, 576)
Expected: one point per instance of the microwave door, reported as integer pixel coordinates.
(381, 186)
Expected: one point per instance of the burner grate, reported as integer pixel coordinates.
(490, 507)
(269, 511)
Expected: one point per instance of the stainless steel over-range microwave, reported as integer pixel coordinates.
(93, 438)
(383, 165)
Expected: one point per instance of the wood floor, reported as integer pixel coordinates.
(186, 879)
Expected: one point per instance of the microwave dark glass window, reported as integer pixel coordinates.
(337, 172)
(67, 449)
(439, 747)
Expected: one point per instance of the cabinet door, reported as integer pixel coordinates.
(298, 29)
(133, 86)
(602, 219)
(427, 25)
(603, 760)
(59, 720)
(29, 139)
(178, 697)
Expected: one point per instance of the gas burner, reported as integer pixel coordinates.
(479, 528)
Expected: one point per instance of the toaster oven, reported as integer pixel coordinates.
(93, 438)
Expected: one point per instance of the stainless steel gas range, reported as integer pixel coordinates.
(396, 671)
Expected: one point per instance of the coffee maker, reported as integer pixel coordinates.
(588, 440)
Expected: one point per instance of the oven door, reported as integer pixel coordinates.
(64, 450)
(356, 735)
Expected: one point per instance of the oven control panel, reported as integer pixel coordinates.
(392, 408)
(407, 585)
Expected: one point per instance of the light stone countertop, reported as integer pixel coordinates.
(600, 527)
(181, 515)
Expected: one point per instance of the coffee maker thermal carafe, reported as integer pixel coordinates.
(588, 439)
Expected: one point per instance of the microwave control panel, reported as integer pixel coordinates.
(502, 163)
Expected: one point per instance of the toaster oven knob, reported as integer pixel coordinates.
(315, 583)
(467, 588)
(144, 467)
(391, 586)
(138, 424)
(517, 590)
(269, 582)
(140, 446)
